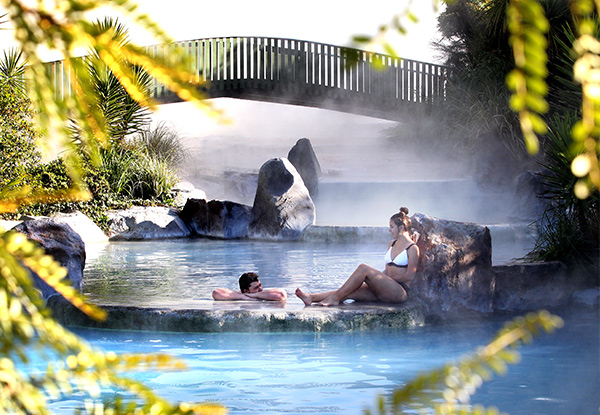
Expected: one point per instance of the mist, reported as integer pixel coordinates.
(366, 177)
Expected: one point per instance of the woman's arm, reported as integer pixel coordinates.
(274, 294)
(413, 262)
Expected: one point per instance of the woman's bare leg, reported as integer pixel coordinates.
(308, 299)
(352, 284)
(367, 284)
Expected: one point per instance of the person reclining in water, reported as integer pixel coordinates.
(251, 289)
(392, 285)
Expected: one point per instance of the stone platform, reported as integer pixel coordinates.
(248, 316)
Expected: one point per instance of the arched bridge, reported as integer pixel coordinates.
(305, 73)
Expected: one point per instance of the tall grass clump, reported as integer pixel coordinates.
(163, 143)
(131, 170)
(570, 227)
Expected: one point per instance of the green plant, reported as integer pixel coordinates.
(570, 228)
(18, 152)
(12, 72)
(122, 114)
(75, 367)
(163, 143)
(448, 390)
(131, 172)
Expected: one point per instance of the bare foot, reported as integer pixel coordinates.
(329, 302)
(306, 298)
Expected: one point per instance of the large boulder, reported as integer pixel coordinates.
(216, 218)
(304, 159)
(282, 206)
(455, 266)
(139, 223)
(63, 243)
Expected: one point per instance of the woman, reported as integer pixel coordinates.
(368, 284)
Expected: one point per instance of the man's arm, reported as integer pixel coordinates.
(273, 294)
(225, 294)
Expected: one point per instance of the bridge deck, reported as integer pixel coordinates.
(305, 73)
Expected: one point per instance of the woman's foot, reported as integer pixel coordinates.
(329, 302)
(305, 297)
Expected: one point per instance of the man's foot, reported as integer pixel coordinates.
(306, 298)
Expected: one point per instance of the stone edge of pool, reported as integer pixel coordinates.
(523, 284)
(260, 318)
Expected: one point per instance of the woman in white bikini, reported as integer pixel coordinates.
(391, 285)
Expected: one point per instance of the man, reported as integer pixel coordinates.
(251, 289)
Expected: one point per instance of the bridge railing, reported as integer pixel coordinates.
(305, 67)
(232, 66)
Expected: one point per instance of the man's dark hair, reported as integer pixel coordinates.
(246, 279)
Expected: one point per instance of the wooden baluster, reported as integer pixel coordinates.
(423, 83)
(269, 62)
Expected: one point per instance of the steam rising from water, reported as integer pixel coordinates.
(366, 176)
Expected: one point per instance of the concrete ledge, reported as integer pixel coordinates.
(346, 318)
(322, 233)
(527, 286)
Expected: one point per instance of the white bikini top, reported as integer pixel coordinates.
(401, 259)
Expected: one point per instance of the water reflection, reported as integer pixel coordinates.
(185, 272)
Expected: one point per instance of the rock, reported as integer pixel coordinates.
(304, 159)
(216, 218)
(455, 266)
(282, 206)
(589, 297)
(530, 286)
(6, 225)
(63, 243)
(140, 222)
(184, 191)
(84, 226)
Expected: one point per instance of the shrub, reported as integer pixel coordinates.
(569, 230)
(18, 153)
(162, 142)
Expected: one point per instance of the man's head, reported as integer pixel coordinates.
(249, 283)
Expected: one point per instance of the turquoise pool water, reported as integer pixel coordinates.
(183, 273)
(316, 373)
(342, 373)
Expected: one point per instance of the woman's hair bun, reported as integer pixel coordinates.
(404, 210)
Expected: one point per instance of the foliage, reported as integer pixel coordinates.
(122, 114)
(448, 390)
(18, 135)
(63, 27)
(26, 326)
(131, 171)
(163, 143)
(528, 26)
(27, 329)
(537, 31)
(569, 230)
(12, 72)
